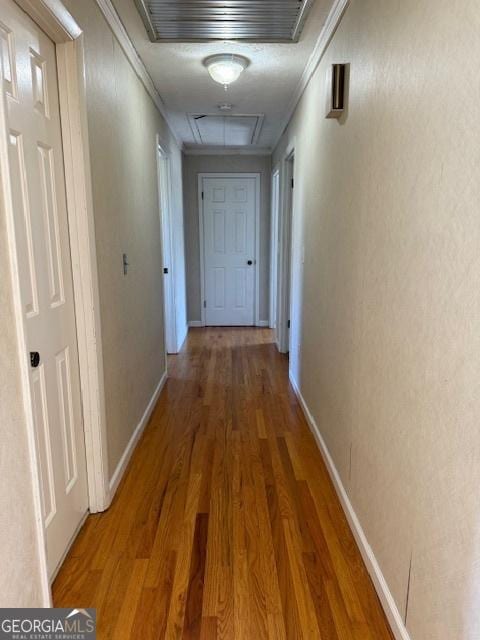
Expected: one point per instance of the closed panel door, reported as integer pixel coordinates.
(229, 250)
(30, 90)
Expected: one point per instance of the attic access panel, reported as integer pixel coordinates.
(226, 131)
(208, 20)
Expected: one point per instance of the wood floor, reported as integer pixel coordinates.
(226, 525)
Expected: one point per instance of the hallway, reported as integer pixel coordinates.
(226, 524)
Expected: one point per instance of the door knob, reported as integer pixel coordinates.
(34, 359)
(249, 262)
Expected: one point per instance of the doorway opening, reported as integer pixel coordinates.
(285, 254)
(166, 224)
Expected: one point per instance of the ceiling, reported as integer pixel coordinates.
(264, 90)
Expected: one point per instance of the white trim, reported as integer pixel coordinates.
(195, 323)
(262, 323)
(274, 221)
(84, 266)
(388, 603)
(116, 25)
(53, 18)
(132, 443)
(331, 24)
(256, 176)
(257, 248)
(201, 240)
(209, 150)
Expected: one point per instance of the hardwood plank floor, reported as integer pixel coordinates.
(226, 525)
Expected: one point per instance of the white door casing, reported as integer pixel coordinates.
(274, 248)
(229, 249)
(46, 287)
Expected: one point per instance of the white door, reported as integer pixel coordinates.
(229, 251)
(30, 90)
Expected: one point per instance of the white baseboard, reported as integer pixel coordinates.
(388, 603)
(127, 454)
(198, 323)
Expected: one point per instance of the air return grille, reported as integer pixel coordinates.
(234, 130)
(206, 20)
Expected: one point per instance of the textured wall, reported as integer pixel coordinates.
(193, 165)
(123, 124)
(387, 345)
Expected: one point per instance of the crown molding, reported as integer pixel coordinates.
(331, 24)
(193, 150)
(116, 25)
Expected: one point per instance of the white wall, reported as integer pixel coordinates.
(387, 210)
(195, 164)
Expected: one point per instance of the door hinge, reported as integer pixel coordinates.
(293, 183)
(203, 195)
(204, 304)
(288, 324)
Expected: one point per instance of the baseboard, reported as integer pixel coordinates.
(195, 323)
(127, 454)
(388, 603)
(262, 323)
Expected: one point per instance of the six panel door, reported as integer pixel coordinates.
(30, 90)
(229, 250)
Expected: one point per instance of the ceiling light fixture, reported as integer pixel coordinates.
(225, 68)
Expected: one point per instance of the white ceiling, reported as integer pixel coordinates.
(266, 87)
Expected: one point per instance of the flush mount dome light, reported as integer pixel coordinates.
(225, 68)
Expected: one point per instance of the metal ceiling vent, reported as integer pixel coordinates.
(207, 20)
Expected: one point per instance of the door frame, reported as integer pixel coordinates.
(166, 237)
(287, 210)
(256, 297)
(274, 245)
(54, 19)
